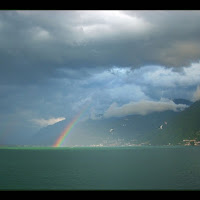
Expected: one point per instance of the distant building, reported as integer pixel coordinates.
(191, 143)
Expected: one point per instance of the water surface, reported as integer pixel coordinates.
(103, 168)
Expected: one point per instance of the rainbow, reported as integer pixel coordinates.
(68, 128)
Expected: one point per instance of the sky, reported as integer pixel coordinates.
(53, 63)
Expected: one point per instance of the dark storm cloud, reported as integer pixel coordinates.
(35, 45)
(175, 37)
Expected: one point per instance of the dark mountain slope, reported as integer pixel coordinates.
(89, 132)
(176, 126)
(182, 101)
(186, 125)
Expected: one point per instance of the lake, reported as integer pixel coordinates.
(100, 168)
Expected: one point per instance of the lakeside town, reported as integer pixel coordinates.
(119, 143)
(191, 142)
(131, 143)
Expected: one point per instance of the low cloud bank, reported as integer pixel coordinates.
(143, 107)
(196, 95)
(45, 122)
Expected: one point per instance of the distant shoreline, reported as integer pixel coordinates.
(91, 147)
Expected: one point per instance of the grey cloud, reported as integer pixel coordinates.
(166, 77)
(142, 108)
(35, 44)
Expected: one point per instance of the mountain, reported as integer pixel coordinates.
(47, 135)
(182, 101)
(185, 125)
(133, 127)
(158, 128)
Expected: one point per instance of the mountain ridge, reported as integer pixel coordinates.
(184, 126)
(133, 127)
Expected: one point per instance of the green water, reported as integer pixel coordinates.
(104, 168)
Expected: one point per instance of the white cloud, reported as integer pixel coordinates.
(106, 23)
(160, 76)
(39, 34)
(196, 95)
(142, 108)
(45, 122)
(126, 92)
